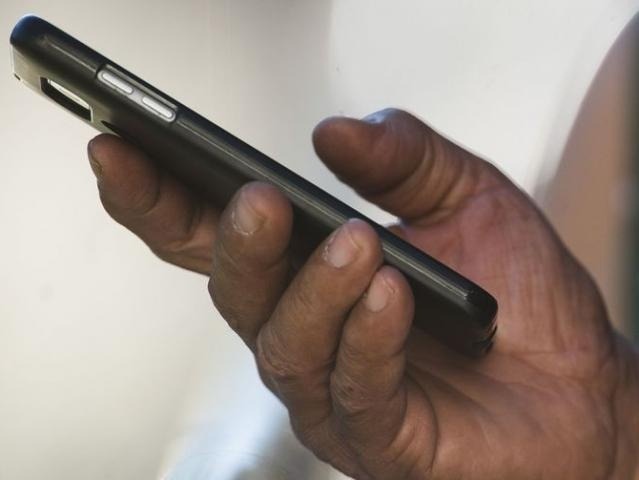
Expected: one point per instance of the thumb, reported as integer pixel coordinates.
(397, 162)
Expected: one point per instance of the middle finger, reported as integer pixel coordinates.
(296, 347)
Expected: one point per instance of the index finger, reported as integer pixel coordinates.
(176, 224)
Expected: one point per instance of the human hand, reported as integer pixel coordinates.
(557, 396)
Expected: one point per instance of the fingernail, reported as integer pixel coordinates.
(95, 165)
(377, 117)
(245, 219)
(341, 249)
(378, 294)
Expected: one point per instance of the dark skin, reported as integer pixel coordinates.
(557, 397)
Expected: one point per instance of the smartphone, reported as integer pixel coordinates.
(216, 164)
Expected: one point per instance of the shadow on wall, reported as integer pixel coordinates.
(590, 198)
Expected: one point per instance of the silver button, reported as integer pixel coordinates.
(116, 82)
(158, 108)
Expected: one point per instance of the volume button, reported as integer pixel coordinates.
(116, 82)
(138, 94)
(159, 108)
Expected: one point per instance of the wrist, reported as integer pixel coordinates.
(627, 411)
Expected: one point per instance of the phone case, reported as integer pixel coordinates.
(448, 306)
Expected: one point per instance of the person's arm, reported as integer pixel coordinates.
(587, 199)
(557, 396)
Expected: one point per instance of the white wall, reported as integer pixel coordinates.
(112, 363)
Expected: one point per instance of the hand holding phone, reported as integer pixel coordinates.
(556, 398)
(215, 164)
(345, 365)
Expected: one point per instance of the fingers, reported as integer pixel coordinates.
(175, 224)
(294, 330)
(397, 162)
(368, 386)
(250, 261)
(370, 361)
(296, 348)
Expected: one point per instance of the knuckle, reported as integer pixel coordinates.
(305, 299)
(351, 354)
(116, 212)
(162, 250)
(138, 203)
(349, 399)
(314, 435)
(144, 201)
(185, 238)
(159, 251)
(273, 362)
(179, 245)
(191, 258)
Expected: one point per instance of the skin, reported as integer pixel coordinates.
(557, 397)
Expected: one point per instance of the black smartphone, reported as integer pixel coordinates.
(213, 162)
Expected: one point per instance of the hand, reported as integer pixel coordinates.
(558, 396)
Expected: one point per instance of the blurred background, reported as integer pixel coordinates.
(114, 365)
